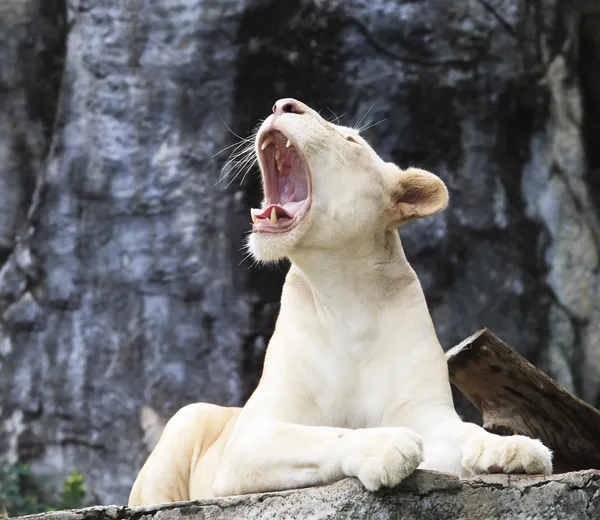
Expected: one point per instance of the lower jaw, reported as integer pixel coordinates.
(274, 228)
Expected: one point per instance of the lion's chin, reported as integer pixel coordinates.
(272, 247)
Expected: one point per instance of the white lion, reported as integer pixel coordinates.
(355, 383)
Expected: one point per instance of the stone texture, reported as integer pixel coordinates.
(123, 290)
(123, 283)
(424, 495)
(32, 47)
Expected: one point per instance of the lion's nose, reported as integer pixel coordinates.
(288, 105)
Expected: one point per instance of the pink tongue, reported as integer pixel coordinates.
(293, 207)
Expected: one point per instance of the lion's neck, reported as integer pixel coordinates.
(358, 283)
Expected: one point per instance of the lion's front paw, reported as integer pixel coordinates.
(383, 456)
(513, 454)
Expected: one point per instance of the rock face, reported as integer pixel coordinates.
(424, 495)
(123, 282)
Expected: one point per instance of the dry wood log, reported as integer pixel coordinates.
(514, 397)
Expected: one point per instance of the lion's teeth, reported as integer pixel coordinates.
(266, 142)
(254, 217)
(273, 216)
(288, 144)
(277, 154)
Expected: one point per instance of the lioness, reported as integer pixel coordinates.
(355, 383)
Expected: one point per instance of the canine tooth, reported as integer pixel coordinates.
(277, 154)
(288, 144)
(273, 216)
(267, 142)
(254, 217)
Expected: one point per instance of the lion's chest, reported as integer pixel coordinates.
(360, 377)
(361, 404)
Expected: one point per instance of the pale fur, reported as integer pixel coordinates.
(355, 383)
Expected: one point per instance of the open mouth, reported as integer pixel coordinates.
(286, 183)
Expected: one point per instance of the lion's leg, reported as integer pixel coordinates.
(189, 434)
(467, 449)
(266, 455)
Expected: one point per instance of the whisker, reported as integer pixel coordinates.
(248, 170)
(236, 154)
(245, 165)
(233, 165)
(340, 117)
(371, 126)
(363, 117)
(231, 146)
(232, 161)
(237, 158)
(245, 257)
(333, 113)
(227, 126)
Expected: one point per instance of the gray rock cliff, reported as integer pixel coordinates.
(122, 278)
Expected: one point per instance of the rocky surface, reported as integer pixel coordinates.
(424, 495)
(123, 283)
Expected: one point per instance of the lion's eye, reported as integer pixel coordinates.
(351, 139)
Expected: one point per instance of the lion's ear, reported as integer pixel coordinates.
(416, 193)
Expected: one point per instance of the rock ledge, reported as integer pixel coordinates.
(425, 495)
